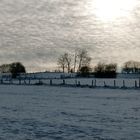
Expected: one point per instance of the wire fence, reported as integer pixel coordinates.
(75, 82)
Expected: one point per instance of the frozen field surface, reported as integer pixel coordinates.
(54, 113)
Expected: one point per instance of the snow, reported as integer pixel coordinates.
(61, 113)
(49, 75)
(83, 82)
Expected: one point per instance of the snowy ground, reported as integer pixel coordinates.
(54, 113)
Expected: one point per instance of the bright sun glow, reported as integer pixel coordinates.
(108, 10)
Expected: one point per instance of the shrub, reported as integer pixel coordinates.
(84, 71)
(16, 68)
(105, 70)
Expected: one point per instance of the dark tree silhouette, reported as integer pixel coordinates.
(105, 70)
(16, 68)
(85, 71)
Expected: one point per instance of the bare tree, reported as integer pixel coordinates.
(62, 62)
(68, 60)
(131, 67)
(80, 59)
(84, 59)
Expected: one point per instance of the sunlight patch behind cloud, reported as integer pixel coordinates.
(109, 10)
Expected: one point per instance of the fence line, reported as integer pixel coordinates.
(91, 83)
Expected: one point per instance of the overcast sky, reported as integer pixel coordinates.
(36, 32)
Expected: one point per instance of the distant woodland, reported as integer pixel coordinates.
(80, 62)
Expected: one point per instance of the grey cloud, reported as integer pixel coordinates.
(36, 32)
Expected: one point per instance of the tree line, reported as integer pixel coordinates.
(80, 63)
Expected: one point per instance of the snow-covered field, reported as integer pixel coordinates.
(55, 113)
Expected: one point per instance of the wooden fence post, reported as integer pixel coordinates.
(95, 83)
(114, 83)
(24, 81)
(104, 84)
(19, 81)
(123, 84)
(92, 83)
(29, 81)
(1, 81)
(50, 81)
(135, 84)
(64, 82)
(76, 82)
(79, 83)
